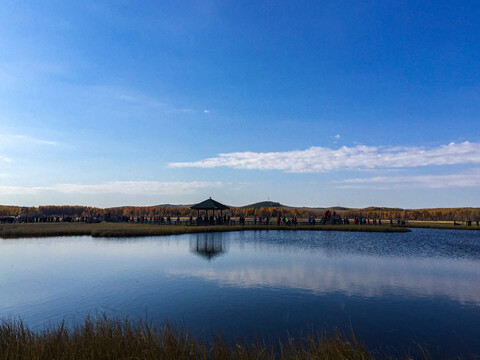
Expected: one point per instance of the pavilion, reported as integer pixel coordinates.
(209, 204)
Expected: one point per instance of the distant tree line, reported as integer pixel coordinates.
(124, 212)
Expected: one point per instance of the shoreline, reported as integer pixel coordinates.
(16, 231)
(108, 229)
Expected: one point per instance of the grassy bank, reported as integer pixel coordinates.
(106, 338)
(8, 231)
(447, 225)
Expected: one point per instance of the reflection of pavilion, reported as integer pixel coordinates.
(208, 245)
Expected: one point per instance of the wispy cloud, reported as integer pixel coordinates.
(321, 159)
(464, 179)
(4, 158)
(124, 95)
(15, 74)
(125, 100)
(15, 139)
(115, 187)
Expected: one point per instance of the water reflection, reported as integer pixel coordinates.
(361, 276)
(385, 286)
(208, 245)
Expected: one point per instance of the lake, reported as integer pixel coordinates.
(394, 290)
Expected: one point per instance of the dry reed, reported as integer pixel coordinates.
(106, 338)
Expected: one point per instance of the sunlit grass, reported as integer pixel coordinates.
(448, 225)
(132, 230)
(106, 338)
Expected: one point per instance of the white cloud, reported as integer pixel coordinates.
(337, 136)
(206, 111)
(114, 187)
(465, 179)
(321, 159)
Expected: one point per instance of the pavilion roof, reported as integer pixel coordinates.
(209, 204)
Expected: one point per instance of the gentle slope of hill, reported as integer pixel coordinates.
(174, 206)
(267, 204)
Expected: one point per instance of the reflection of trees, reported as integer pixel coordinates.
(208, 245)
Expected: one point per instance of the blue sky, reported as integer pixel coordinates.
(352, 103)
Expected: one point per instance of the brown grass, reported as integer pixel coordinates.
(447, 225)
(105, 338)
(133, 230)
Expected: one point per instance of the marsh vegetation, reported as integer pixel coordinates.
(109, 338)
(106, 229)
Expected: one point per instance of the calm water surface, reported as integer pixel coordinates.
(393, 290)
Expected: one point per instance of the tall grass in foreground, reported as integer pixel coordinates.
(105, 338)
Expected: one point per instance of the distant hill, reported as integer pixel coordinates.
(174, 206)
(370, 208)
(267, 204)
(376, 208)
(273, 204)
(339, 208)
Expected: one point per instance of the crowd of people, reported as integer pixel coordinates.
(363, 221)
(212, 220)
(30, 219)
(467, 222)
(327, 218)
